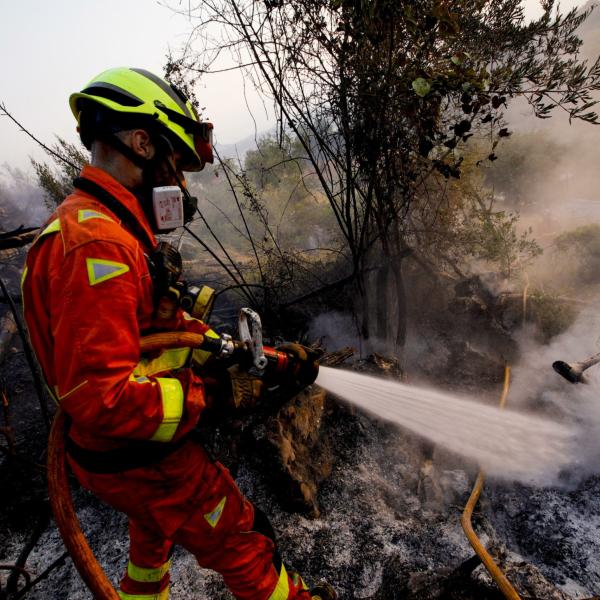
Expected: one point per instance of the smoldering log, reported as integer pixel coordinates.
(17, 237)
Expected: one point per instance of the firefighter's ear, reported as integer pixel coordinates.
(140, 142)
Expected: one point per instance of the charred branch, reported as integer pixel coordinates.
(18, 237)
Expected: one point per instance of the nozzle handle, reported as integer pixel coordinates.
(250, 332)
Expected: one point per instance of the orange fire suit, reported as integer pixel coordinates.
(88, 297)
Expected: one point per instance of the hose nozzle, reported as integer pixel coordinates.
(573, 372)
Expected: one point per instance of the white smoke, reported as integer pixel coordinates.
(536, 385)
(21, 200)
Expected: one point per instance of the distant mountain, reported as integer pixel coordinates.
(239, 149)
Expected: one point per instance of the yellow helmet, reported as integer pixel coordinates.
(139, 93)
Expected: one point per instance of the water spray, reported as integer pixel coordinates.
(505, 443)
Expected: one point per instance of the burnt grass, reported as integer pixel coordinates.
(22, 476)
(389, 527)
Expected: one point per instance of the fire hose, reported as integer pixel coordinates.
(496, 573)
(61, 500)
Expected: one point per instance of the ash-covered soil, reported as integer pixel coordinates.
(389, 524)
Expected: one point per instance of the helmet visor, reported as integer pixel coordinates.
(203, 142)
(202, 133)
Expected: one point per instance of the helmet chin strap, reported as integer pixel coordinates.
(164, 150)
(112, 139)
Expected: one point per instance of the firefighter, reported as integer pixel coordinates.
(89, 293)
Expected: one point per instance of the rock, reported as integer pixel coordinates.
(530, 583)
(294, 438)
(436, 584)
(428, 490)
(527, 580)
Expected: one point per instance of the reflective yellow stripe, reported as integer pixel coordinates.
(282, 589)
(52, 228)
(85, 214)
(100, 270)
(23, 278)
(206, 299)
(164, 595)
(299, 582)
(172, 401)
(175, 358)
(201, 356)
(146, 575)
(214, 516)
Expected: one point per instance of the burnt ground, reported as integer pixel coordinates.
(389, 524)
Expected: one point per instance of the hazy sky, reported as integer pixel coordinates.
(52, 48)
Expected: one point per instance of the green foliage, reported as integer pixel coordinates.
(462, 226)
(57, 180)
(581, 246)
(380, 93)
(280, 201)
(274, 162)
(270, 215)
(284, 197)
(492, 236)
(553, 315)
(524, 164)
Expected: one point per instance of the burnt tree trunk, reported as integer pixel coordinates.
(401, 309)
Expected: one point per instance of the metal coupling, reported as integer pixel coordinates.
(227, 346)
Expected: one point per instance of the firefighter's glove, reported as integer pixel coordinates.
(304, 368)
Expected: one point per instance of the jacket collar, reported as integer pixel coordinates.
(121, 193)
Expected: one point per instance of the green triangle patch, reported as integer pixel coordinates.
(100, 270)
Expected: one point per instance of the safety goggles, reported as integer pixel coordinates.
(202, 133)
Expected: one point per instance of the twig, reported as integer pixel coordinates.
(325, 288)
(57, 563)
(238, 286)
(36, 534)
(17, 238)
(36, 140)
(19, 571)
(233, 191)
(19, 230)
(223, 249)
(215, 256)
